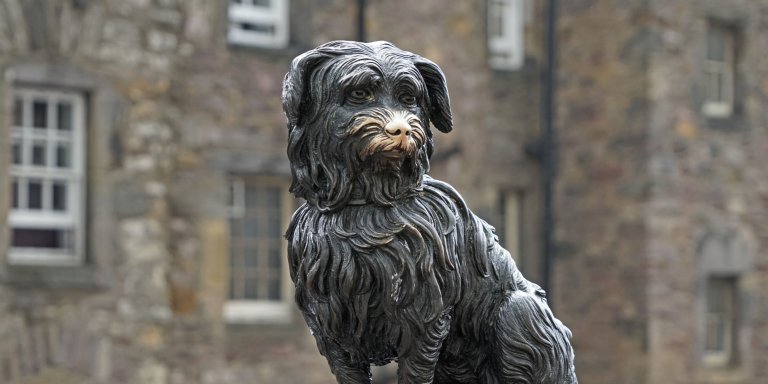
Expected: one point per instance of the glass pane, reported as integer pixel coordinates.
(35, 194)
(715, 340)
(272, 197)
(38, 153)
(235, 227)
(62, 155)
(268, 29)
(15, 193)
(251, 258)
(17, 156)
(18, 112)
(274, 289)
(273, 221)
(716, 43)
(712, 85)
(41, 238)
(262, 3)
(275, 259)
(232, 288)
(39, 114)
(251, 290)
(252, 196)
(250, 227)
(59, 195)
(495, 18)
(64, 116)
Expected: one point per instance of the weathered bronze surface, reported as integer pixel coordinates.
(390, 264)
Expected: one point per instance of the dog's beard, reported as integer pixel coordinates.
(386, 168)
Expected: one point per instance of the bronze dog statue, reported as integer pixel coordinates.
(388, 263)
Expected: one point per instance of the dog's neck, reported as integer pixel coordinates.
(383, 189)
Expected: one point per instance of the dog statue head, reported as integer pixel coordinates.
(359, 118)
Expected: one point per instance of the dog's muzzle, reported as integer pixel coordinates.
(390, 135)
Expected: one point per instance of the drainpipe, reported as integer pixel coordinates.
(361, 32)
(548, 146)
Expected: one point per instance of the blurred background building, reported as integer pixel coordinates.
(144, 180)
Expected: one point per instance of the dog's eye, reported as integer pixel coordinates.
(408, 99)
(360, 95)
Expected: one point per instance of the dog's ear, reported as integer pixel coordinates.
(439, 102)
(295, 83)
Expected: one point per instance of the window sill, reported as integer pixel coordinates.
(244, 312)
(52, 277)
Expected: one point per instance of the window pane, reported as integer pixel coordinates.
(275, 259)
(41, 238)
(18, 112)
(252, 198)
(38, 153)
(250, 227)
(273, 229)
(15, 193)
(496, 18)
(720, 320)
(62, 155)
(232, 287)
(39, 114)
(272, 197)
(717, 43)
(251, 258)
(253, 27)
(59, 196)
(274, 289)
(17, 155)
(64, 115)
(35, 194)
(251, 290)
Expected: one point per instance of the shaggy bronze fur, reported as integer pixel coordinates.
(388, 263)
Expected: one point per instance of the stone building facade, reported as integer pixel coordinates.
(146, 145)
(661, 190)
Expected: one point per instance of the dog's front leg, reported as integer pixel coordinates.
(342, 366)
(417, 366)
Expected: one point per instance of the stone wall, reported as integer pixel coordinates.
(707, 215)
(653, 196)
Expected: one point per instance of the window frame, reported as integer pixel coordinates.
(726, 68)
(275, 15)
(243, 311)
(75, 176)
(506, 51)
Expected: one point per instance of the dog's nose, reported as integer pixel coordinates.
(398, 127)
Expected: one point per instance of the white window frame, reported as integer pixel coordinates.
(274, 15)
(726, 68)
(73, 218)
(262, 311)
(507, 51)
(721, 357)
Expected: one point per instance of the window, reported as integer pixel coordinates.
(259, 289)
(505, 33)
(258, 23)
(47, 177)
(721, 321)
(720, 70)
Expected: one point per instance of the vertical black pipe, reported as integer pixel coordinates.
(549, 145)
(361, 32)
